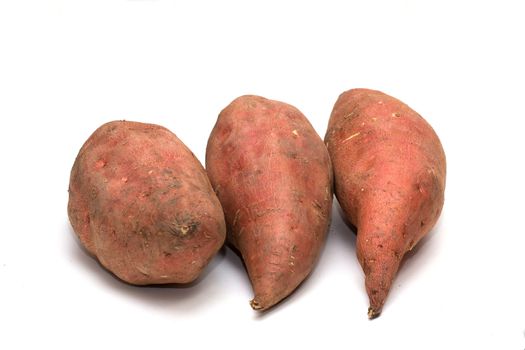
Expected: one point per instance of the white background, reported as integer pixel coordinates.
(68, 66)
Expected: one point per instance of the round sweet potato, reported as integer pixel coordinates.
(141, 203)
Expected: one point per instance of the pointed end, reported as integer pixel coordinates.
(256, 305)
(373, 313)
(377, 290)
(379, 276)
(262, 302)
(270, 293)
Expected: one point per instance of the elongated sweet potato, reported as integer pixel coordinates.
(142, 204)
(272, 174)
(389, 169)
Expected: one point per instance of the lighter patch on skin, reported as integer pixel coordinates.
(351, 137)
(396, 115)
(351, 114)
(184, 229)
(124, 179)
(142, 270)
(236, 217)
(150, 172)
(100, 164)
(295, 132)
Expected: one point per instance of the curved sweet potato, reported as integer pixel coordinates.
(272, 174)
(389, 169)
(142, 204)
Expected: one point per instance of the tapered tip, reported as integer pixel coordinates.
(262, 302)
(373, 313)
(256, 305)
(378, 280)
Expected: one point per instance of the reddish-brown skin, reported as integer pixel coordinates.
(273, 176)
(142, 204)
(389, 169)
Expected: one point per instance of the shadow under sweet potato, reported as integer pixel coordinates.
(181, 296)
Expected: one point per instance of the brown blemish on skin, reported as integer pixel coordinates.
(144, 195)
(183, 230)
(292, 155)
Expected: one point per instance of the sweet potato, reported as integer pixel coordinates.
(272, 174)
(389, 169)
(142, 204)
